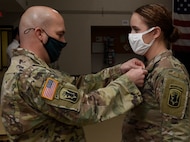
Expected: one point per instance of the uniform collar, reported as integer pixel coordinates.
(29, 54)
(152, 63)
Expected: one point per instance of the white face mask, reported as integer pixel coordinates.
(137, 43)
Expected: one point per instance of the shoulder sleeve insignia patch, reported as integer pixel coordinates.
(175, 96)
(69, 96)
(49, 89)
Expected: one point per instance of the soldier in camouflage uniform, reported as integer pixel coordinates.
(41, 104)
(164, 114)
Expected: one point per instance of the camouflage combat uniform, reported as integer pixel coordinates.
(164, 114)
(41, 104)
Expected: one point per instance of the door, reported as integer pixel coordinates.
(5, 39)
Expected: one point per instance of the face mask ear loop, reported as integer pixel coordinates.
(149, 30)
(28, 30)
(45, 32)
(47, 36)
(151, 42)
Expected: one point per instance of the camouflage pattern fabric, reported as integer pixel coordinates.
(164, 114)
(44, 105)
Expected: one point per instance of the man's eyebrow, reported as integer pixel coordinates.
(62, 32)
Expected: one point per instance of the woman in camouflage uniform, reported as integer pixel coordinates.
(164, 113)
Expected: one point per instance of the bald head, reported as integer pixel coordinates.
(36, 24)
(38, 16)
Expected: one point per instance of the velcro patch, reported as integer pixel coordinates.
(69, 96)
(175, 95)
(49, 89)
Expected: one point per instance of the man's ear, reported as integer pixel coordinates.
(39, 33)
(157, 32)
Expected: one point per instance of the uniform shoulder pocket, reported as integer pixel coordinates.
(175, 93)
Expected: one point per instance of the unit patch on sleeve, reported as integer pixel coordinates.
(175, 96)
(49, 89)
(69, 95)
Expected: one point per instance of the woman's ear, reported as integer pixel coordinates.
(157, 32)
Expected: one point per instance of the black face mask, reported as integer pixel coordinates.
(53, 48)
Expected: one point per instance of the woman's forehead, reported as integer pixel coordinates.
(137, 20)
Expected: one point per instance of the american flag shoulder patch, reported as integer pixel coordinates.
(49, 89)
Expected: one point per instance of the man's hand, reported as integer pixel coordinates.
(132, 64)
(137, 76)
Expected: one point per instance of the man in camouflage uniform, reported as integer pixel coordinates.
(44, 105)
